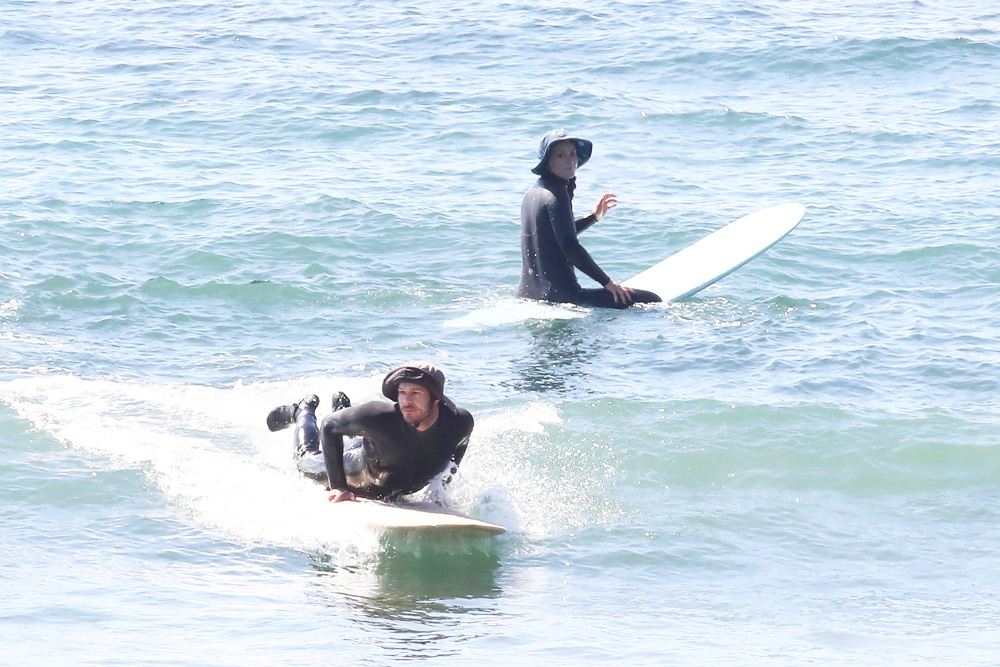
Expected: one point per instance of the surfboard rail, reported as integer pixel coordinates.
(409, 516)
(715, 256)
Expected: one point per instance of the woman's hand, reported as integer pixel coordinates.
(623, 295)
(607, 202)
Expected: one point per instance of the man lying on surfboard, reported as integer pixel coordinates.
(550, 248)
(402, 445)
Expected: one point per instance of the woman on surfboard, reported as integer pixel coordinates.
(550, 248)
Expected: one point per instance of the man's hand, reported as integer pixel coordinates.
(340, 495)
(607, 202)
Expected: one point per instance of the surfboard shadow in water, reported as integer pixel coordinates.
(413, 595)
(411, 570)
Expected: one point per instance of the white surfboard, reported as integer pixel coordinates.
(408, 516)
(720, 253)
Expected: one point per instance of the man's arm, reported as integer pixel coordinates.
(466, 424)
(460, 452)
(451, 466)
(335, 427)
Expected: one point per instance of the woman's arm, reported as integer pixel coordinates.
(607, 202)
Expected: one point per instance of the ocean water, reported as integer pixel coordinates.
(209, 209)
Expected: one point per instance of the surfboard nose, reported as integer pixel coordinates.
(720, 253)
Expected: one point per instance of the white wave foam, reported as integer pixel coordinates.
(11, 306)
(513, 311)
(206, 448)
(209, 452)
(523, 477)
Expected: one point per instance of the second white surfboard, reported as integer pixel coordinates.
(720, 253)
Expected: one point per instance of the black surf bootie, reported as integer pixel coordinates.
(309, 403)
(281, 417)
(284, 416)
(340, 401)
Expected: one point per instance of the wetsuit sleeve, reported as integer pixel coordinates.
(463, 431)
(565, 229)
(460, 452)
(335, 427)
(467, 425)
(583, 224)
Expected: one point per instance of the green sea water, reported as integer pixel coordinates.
(209, 210)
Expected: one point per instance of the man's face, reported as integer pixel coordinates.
(415, 403)
(563, 160)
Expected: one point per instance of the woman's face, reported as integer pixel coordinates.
(563, 160)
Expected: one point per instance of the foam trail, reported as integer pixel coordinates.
(209, 452)
(207, 449)
(514, 311)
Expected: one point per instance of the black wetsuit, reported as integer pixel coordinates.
(550, 249)
(394, 459)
